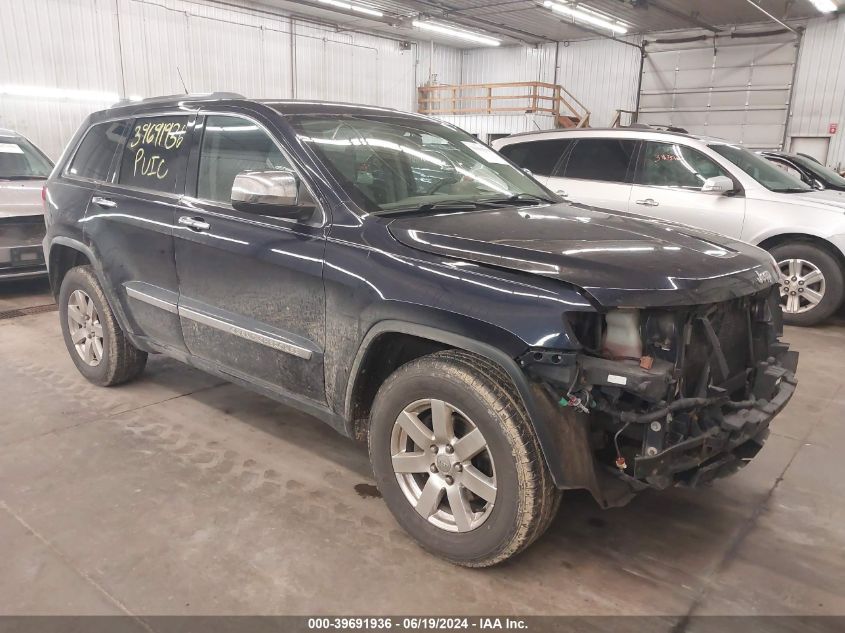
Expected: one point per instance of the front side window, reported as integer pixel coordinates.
(674, 165)
(21, 160)
(604, 159)
(538, 157)
(391, 163)
(760, 169)
(231, 145)
(156, 153)
(93, 158)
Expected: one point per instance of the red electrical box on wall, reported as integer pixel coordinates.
(832, 128)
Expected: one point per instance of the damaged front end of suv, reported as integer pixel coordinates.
(658, 397)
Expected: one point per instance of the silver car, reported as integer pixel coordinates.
(708, 183)
(23, 170)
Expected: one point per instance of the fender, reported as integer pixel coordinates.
(114, 304)
(542, 430)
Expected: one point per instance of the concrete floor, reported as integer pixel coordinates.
(179, 494)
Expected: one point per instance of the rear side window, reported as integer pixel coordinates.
(604, 159)
(231, 145)
(93, 158)
(538, 157)
(156, 154)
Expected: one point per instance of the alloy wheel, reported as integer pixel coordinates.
(443, 465)
(802, 285)
(86, 330)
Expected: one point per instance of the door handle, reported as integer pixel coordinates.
(648, 202)
(197, 224)
(104, 202)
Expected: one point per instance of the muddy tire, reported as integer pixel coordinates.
(95, 342)
(457, 461)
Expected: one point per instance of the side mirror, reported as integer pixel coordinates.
(718, 185)
(274, 193)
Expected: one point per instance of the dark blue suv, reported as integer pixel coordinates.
(404, 283)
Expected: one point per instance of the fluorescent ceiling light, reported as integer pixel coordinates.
(587, 16)
(452, 31)
(352, 7)
(59, 93)
(825, 6)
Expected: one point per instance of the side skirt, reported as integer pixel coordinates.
(269, 390)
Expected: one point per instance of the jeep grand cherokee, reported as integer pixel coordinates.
(407, 285)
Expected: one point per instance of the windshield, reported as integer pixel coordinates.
(760, 169)
(825, 174)
(21, 160)
(390, 163)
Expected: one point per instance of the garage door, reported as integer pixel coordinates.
(738, 90)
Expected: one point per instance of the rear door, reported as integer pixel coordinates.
(130, 220)
(667, 185)
(251, 286)
(596, 172)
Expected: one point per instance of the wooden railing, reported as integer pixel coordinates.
(504, 98)
(621, 115)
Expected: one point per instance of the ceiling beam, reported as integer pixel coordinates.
(446, 10)
(691, 19)
(770, 16)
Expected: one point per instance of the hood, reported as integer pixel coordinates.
(20, 197)
(618, 259)
(826, 200)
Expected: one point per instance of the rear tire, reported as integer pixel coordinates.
(467, 524)
(96, 344)
(812, 285)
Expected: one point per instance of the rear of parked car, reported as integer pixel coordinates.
(23, 171)
(707, 183)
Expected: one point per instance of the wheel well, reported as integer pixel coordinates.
(822, 243)
(62, 259)
(386, 354)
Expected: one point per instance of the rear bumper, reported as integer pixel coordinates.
(21, 252)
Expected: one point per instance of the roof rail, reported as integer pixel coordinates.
(176, 97)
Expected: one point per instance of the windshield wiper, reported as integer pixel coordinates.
(27, 177)
(443, 205)
(792, 190)
(525, 198)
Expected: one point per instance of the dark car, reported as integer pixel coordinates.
(808, 169)
(404, 283)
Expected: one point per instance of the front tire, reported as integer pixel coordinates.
(456, 459)
(812, 285)
(94, 340)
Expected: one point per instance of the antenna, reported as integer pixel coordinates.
(179, 72)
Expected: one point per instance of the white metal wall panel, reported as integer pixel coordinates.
(353, 67)
(736, 90)
(819, 95)
(483, 126)
(438, 64)
(139, 47)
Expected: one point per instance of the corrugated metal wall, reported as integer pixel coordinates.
(140, 47)
(819, 93)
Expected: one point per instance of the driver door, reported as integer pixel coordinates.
(667, 185)
(251, 286)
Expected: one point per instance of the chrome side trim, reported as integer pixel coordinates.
(267, 340)
(158, 302)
